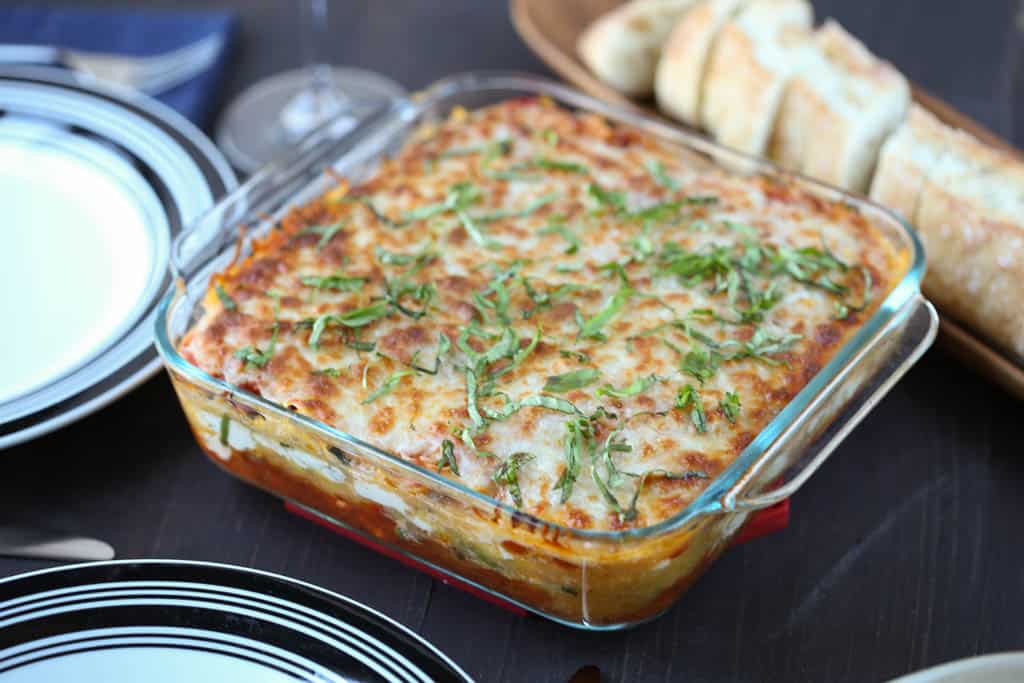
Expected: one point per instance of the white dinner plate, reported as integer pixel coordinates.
(164, 622)
(1006, 667)
(94, 183)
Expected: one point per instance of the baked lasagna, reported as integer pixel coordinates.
(536, 334)
(555, 311)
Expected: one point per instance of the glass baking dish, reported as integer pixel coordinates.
(583, 578)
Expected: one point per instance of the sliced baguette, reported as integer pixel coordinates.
(622, 47)
(750, 64)
(969, 218)
(679, 77)
(853, 112)
(907, 158)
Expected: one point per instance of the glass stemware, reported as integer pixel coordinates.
(270, 116)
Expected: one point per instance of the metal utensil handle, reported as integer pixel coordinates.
(921, 315)
(31, 54)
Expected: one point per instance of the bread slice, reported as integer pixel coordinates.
(749, 66)
(907, 158)
(847, 102)
(679, 76)
(969, 216)
(622, 47)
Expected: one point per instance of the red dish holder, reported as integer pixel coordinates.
(760, 523)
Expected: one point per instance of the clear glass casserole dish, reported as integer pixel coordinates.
(582, 578)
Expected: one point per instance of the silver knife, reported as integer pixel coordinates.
(25, 542)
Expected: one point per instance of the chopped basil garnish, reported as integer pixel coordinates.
(551, 403)
(660, 212)
(730, 406)
(762, 345)
(388, 386)
(225, 428)
(471, 228)
(555, 165)
(336, 281)
(616, 201)
(843, 309)
(251, 355)
(575, 355)
(537, 401)
(612, 475)
(328, 372)
(507, 475)
(689, 475)
(700, 364)
(577, 379)
(637, 386)
(326, 232)
(448, 458)
(357, 345)
(417, 260)
(530, 208)
(689, 397)
(422, 293)
(657, 171)
(355, 318)
(579, 436)
(567, 235)
(225, 300)
(471, 400)
(591, 329)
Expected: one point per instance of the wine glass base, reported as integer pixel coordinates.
(268, 118)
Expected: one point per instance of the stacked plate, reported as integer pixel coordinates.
(94, 184)
(193, 621)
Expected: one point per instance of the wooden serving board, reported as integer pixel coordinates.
(551, 28)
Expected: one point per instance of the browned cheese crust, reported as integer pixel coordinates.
(554, 310)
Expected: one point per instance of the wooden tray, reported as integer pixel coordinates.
(551, 27)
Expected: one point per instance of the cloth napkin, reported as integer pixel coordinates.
(135, 32)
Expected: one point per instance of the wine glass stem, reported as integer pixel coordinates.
(315, 20)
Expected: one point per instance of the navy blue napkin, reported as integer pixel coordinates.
(129, 32)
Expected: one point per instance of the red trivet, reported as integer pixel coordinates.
(760, 523)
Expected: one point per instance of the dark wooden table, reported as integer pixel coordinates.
(905, 550)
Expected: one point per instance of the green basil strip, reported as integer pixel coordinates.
(225, 428)
(688, 475)
(638, 386)
(730, 406)
(577, 379)
(470, 225)
(592, 328)
(448, 458)
(326, 232)
(336, 281)
(225, 300)
(657, 171)
(355, 318)
(507, 475)
(388, 386)
(566, 234)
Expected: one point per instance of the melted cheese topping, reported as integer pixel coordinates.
(678, 309)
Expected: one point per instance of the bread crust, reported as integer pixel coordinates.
(968, 217)
(748, 69)
(869, 102)
(906, 160)
(680, 73)
(623, 46)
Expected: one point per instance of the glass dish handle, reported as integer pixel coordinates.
(209, 234)
(920, 331)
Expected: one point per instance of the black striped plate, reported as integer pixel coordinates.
(158, 621)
